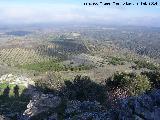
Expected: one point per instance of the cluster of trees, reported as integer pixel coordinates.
(135, 39)
(19, 56)
(61, 48)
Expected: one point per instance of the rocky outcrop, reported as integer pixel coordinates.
(84, 110)
(143, 107)
(146, 106)
(40, 104)
(16, 80)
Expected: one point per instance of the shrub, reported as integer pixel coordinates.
(145, 64)
(119, 80)
(139, 85)
(154, 78)
(116, 61)
(82, 88)
(134, 84)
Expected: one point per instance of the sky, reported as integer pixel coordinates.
(74, 11)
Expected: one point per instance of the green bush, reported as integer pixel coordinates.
(139, 85)
(154, 78)
(145, 64)
(134, 84)
(116, 61)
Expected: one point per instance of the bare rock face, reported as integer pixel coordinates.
(83, 110)
(146, 106)
(79, 107)
(143, 107)
(42, 103)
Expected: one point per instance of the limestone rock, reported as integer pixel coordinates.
(41, 103)
(17, 80)
(145, 106)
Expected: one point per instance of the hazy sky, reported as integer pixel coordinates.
(73, 11)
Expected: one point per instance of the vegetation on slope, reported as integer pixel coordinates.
(132, 83)
(53, 65)
(154, 77)
(116, 61)
(44, 66)
(84, 89)
(145, 64)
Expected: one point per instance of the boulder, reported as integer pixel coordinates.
(42, 103)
